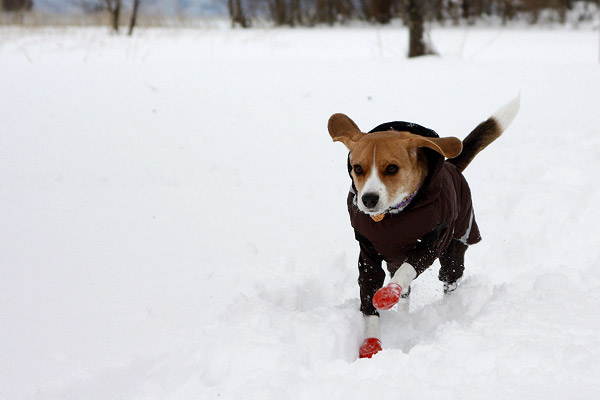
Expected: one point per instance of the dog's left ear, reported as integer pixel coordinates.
(343, 129)
(449, 147)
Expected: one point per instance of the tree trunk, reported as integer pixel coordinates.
(454, 12)
(16, 5)
(133, 19)
(295, 13)
(236, 13)
(416, 42)
(344, 9)
(563, 7)
(439, 10)
(466, 9)
(116, 15)
(325, 12)
(278, 9)
(114, 7)
(469, 11)
(508, 11)
(378, 10)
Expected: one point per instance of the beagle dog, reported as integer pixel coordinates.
(409, 205)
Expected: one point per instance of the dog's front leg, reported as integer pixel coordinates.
(389, 295)
(372, 344)
(370, 278)
(422, 255)
(401, 279)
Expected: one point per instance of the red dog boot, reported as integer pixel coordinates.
(387, 296)
(370, 347)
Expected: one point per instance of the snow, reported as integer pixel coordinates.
(174, 221)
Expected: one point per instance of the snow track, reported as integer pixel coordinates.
(174, 222)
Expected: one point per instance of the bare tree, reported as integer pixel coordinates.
(236, 13)
(416, 42)
(325, 12)
(413, 12)
(114, 8)
(16, 5)
(466, 9)
(295, 13)
(507, 10)
(438, 10)
(279, 11)
(133, 18)
(378, 10)
(346, 9)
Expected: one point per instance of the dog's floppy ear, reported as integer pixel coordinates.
(343, 129)
(449, 147)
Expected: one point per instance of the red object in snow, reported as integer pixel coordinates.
(370, 347)
(387, 296)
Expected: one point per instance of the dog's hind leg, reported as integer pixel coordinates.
(452, 262)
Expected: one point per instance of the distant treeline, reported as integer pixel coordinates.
(312, 12)
(16, 5)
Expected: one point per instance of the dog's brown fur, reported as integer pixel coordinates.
(383, 149)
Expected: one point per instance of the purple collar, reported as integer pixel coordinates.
(406, 201)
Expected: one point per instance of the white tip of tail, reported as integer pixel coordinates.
(505, 115)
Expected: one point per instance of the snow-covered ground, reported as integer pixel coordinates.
(173, 220)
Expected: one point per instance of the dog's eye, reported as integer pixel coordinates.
(391, 169)
(358, 170)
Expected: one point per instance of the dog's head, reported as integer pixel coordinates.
(388, 166)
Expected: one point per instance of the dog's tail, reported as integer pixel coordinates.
(485, 133)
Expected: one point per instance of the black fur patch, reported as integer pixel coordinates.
(483, 134)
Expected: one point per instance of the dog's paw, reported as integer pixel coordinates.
(450, 287)
(369, 348)
(387, 296)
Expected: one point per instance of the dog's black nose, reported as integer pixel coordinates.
(370, 199)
